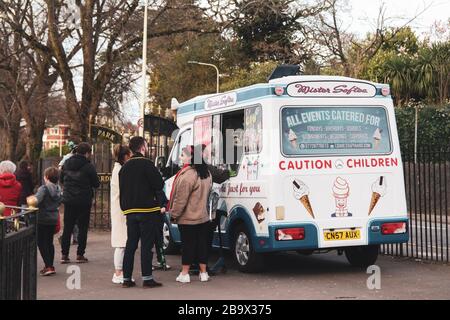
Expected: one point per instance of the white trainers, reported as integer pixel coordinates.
(204, 276)
(117, 279)
(184, 278)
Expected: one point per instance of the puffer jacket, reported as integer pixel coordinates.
(189, 198)
(79, 178)
(49, 198)
(10, 190)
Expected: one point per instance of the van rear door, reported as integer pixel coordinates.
(341, 170)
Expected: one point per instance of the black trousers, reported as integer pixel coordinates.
(45, 235)
(79, 215)
(194, 243)
(144, 227)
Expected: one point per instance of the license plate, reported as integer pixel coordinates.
(342, 235)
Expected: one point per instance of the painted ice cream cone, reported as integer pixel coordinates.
(258, 210)
(301, 193)
(293, 138)
(378, 190)
(377, 138)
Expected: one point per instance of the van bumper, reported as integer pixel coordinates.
(310, 242)
(270, 244)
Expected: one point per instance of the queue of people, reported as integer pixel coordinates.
(138, 210)
(138, 207)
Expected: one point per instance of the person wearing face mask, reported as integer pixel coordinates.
(188, 200)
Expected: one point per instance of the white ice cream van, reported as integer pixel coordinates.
(315, 162)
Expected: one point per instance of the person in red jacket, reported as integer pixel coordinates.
(10, 188)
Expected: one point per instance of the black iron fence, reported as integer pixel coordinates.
(427, 184)
(18, 254)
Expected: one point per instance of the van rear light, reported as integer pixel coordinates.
(385, 91)
(393, 228)
(290, 234)
(279, 91)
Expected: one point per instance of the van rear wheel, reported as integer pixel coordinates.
(247, 259)
(169, 246)
(362, 256)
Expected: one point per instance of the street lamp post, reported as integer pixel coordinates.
(210, 65)
(144, 70)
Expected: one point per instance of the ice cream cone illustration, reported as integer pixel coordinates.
(293, 138)
(258, 210)
(377, 138)
(341, 191)
(378, 190)
(301, 193)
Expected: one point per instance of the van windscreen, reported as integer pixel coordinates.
(335, 131)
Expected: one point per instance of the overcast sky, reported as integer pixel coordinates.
(365, 12)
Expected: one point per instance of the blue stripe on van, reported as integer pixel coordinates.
(269, 244)
(242, 95)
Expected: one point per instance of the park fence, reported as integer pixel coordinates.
(18, 255)
(427, 185)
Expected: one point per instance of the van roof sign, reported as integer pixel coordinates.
(331, 89)
(221, 101)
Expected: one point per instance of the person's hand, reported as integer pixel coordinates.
(163, 210)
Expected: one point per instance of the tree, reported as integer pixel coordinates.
(351, 54)
(272, 30)
(26, 75)
(109, 36)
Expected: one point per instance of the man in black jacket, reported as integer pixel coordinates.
(139, 183)
(79, 178)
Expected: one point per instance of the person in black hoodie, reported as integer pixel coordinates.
(23, 175)
(79, 178)
(140, 184)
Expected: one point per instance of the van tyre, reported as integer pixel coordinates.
(169, 246)
(363, 256)
(244, 255)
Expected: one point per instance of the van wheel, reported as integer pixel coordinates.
(363, 256)
(246, 258)
(169, 246)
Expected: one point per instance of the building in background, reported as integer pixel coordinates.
(56, 136)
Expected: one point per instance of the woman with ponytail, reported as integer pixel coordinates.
(189, 196)
(118, 219)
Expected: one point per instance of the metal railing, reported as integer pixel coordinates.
(427, 184)
(18, 255)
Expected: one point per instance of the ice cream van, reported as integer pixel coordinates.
(315, 163)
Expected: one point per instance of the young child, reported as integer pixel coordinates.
(48, 198)
(161, 265)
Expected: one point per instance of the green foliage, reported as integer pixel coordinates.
(433, 126)
(258, 72)
(415, 70)
(54, 152)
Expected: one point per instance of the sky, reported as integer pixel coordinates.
(362, 19)
(364, 13)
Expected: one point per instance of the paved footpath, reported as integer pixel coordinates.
(288, 276)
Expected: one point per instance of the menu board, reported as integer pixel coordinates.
(253, 130)
(335, 130)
